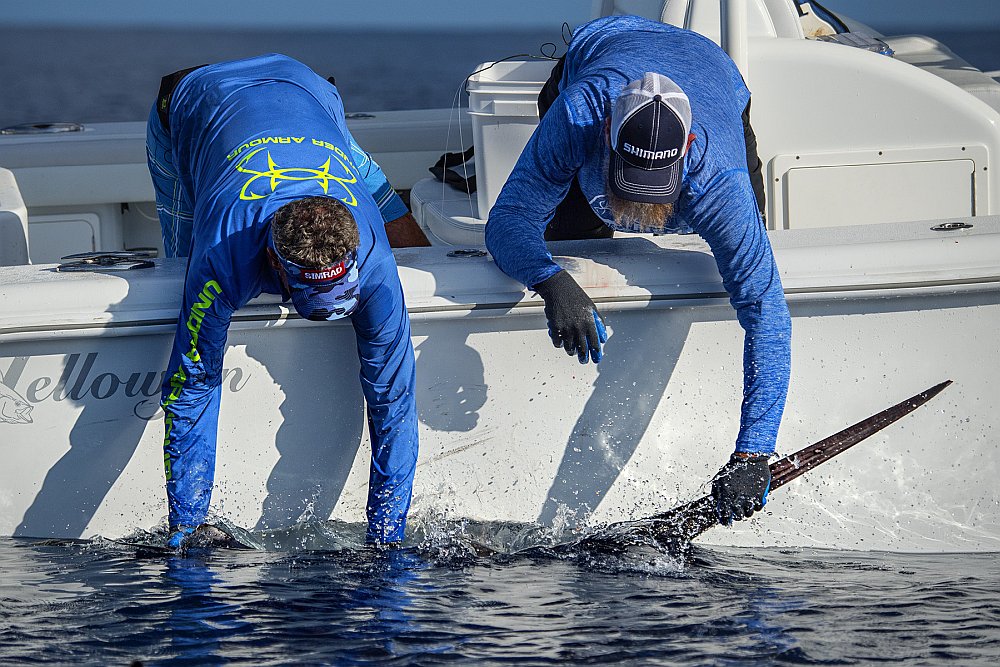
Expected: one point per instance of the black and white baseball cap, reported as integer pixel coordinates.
(650, 124)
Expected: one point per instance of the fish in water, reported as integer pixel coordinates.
(13, 408)
(206, 536)
(674, 529)
(671, 531)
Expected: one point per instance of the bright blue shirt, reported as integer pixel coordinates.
(248, 137)
(717, 200)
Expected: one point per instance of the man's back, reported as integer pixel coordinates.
(258, 133)
(250, 136)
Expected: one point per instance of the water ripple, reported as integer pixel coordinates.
(444, 598)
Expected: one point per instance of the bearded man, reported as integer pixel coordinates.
(645, 128)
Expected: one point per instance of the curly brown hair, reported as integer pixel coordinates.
(315, 231)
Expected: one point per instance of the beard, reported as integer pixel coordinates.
(641, 216)
(635, 215)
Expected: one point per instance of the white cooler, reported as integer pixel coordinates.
(503, 103)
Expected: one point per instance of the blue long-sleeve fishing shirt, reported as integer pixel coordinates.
(717, 200)
(248, 137)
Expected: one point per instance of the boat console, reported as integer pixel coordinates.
(852, 128)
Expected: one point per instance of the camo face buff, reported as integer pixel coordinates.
(322, 294)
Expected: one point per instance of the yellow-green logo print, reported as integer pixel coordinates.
(270, 179)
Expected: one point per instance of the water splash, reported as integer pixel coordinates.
(436, 538)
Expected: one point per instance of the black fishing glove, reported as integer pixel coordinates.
(574, 323)
(740, 488)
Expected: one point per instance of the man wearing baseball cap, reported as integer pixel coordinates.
(645, 128)
(260, 184)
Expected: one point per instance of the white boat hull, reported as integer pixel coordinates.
(512, 429)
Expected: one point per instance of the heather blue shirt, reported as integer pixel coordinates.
(247, 137)
(717, 201)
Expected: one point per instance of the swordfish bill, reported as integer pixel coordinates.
(687, 521)
(785, 470)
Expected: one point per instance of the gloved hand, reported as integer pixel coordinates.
(741, 486)
(574, 323)
(179, 535)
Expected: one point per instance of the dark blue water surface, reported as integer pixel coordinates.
(94, 75)
(436, 602)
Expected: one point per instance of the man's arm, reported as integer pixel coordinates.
(388, 381)
(515, 232)
(728, 219)
(402, 230)
(726, 216)
(538, 183)
(190, 401)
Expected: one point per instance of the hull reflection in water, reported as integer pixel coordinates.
(80, 603)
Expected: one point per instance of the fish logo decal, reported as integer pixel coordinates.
(599, 204)
(13, 408)
(274, 175)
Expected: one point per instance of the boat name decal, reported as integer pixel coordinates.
(82, 381)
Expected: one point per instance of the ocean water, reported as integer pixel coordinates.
(93, 75)
(436, 602)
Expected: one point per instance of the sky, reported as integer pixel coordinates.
(431, 14)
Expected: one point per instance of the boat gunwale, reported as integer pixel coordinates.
(283, 315)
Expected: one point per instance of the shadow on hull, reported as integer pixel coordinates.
(667, 534)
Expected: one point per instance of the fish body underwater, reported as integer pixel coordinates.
(669, 533)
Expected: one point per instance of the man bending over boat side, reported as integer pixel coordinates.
(260, 184)
(645, 128)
